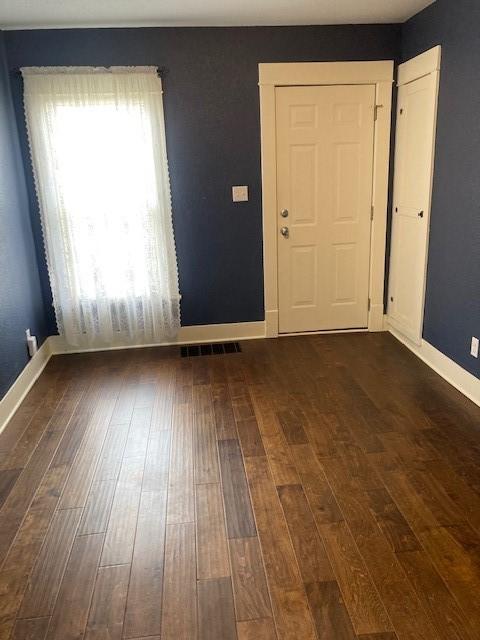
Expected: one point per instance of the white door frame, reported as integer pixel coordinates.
(273, 75)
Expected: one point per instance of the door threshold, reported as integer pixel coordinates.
(323, 332)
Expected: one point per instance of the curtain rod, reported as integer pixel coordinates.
(161, 71)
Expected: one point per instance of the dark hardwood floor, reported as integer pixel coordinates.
(313, 487)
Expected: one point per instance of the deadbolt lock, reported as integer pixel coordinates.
(284, 213)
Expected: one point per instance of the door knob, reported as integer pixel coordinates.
(284, 213)
(284, 232)
(420, 214)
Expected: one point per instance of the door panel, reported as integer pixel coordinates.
(414, 147)
(303, 268)
(324, 180)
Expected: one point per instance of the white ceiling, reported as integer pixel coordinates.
(28, 14)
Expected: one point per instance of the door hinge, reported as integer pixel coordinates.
(369, 304)
(372, 209)
(375, 110)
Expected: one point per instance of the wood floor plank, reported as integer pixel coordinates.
(332, 621)
(205, 436)
(378, 636)
(351, 470)
(163, 404)
(47, 574)
(33, 629)
(278, 553)
(110, 460)
(458, 569)
(223, 411)
(361, 598)
(324, 432)
(8, 477)
(76, 490)
(411, 505)
(466, 499)
(122, 522)
(392, 523)
(322, 502)
(155, 476)
(180, 596)
(309, 548)
(445, 614)
(249, 581)
(77, 426)
(145, 396)
(20, 421)
(256, 630)
(212, 549)
(123, 410)
(107, 609)
(292, 425)
(13, 582)
(278, 452)
(238, 508)
(184, 383)
(293, 618)
(280, 459)
(241, 401)
(19, 455)
(180, 491)
(76, 590)
(21, 495)
(200, 372)
(23, 552)
(102, 490)
(138, 434)
(97, 509)
(216, 615)
(250, 438)
(396, 592)
(143, 613)
(445, 511)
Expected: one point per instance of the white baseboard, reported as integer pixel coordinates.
(453, 373)
(22, 385)
(195, 334)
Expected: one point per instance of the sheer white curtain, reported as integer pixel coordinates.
(97, 141)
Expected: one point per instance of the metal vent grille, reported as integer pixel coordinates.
(192, 350)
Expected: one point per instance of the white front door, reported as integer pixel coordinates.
(325, 137)
(414, 148)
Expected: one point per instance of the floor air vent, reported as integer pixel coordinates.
(191, 350)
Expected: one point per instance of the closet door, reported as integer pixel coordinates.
(414, 156)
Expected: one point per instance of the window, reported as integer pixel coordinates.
(99, 156)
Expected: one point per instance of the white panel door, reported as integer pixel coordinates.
(414, 148)
(324, 186)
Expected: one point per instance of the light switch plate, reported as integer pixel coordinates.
(240, 194)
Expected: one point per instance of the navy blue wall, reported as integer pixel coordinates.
(452, 312)
(213, 136)
(21, 304)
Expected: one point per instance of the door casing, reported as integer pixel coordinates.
(273, 75)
